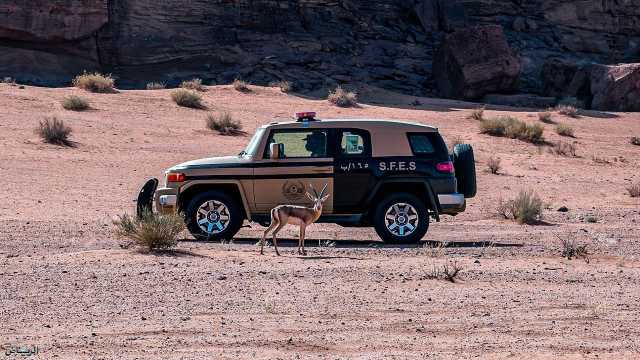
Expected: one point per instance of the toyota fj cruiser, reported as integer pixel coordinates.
(391, 175)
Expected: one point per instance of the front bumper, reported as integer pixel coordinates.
(452, 204)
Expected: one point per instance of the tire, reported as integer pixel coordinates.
(393, 234)
(465, 167)
(209, 202)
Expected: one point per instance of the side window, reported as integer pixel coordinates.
(354, 142)
(299, 143)
(421, 144)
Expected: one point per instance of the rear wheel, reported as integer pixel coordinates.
(213, 215)
(401, 219)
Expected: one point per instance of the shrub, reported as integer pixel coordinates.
(94, 82)
(241, 85)
(448, 271)
(512, 128)
(526, 208)
(54, 131)
(635, 140)
(284, 85)
(545, 117)
(567, 109)
(9, 80)
(224, 124)
(193, 84)
(564, 130)
(477, 114)
(571, 249)
(156, 86)
(493, 164)
(634, 190)
(151, 231)
(563, 148)
(343, 98)
(187, 98)
(75, 103)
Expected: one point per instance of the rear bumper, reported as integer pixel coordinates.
(166, 200)
(452, 204)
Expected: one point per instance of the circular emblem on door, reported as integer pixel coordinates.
(293, 190)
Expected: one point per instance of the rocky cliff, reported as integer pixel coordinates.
(313, 43)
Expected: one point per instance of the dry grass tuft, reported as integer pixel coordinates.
(193, 84)
(526, 208)
(241, 85)
(566, 109)
(224, 124)
(571, 249)
(151, 231)
(513, 128)
(75, 103)
(343, 98)
(156, 86)
(54, 131)
(477, 114)
(448, 271)
(187, 98)
(564, 130)
(493, 164)
(563, 148)
(284, 85)
(634, 189)
(546, 117)
(94, 82)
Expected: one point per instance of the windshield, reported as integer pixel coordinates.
(252, 146)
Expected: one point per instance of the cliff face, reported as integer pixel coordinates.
(313, 43)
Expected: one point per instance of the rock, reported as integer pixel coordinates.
(563, 209)
(520, 100)
(557, 75)
(475, 61)
(615, 88)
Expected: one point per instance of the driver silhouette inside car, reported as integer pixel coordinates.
(316, 144)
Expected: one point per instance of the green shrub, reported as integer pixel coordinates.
(54, 131)
(564, 130)
(193, 84)
(241, 85)
(151, 231)
(75, 103)
(156, 86)
(187, 98)
(224, 124)
(512, 128)
(94, 82)
(526, 208)
(343, 98)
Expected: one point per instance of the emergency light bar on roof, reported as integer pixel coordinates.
(306, 116)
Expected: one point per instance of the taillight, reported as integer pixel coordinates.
(175, 177)
(445, 167)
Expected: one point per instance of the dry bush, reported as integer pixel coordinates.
(156, 86)
(9, 81)
(635, 140)
(512, 128)
(241, 85)
(75, 103)
(284, 85)
(151, 231)
(493, 164)
(193, 84)
(54, 131)
(546, 117)
(564, 130)
(634, 190)
(94, 82)
(571, 249)
(563, 148)
(436, 250)
(526, 208)
(448, 271)
(224, 124)
(567, 109)
(343, 98)
(477, 114)
(600, 160)
(187, 98)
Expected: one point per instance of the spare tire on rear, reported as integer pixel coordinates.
(465, 166)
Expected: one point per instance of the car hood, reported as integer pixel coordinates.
(213, 163)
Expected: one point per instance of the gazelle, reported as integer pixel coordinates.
(296, 215)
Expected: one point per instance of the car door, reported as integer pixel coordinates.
(353, 171)
(306, 164)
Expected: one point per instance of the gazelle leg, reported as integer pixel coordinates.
(264, 235)
(301, 242)
(275, 232)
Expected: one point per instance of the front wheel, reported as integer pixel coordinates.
(401, 219)
(213, 215)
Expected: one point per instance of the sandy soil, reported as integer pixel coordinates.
(67, 286)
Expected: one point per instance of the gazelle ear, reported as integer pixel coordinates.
(324, 198)
(310, 196)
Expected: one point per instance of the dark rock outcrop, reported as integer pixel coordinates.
(615, 88)
(315, 44)
(475, 61)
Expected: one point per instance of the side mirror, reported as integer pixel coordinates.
(276, 151)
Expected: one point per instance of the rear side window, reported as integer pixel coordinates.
(426, 143)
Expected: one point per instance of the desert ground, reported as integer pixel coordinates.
(68, 286)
